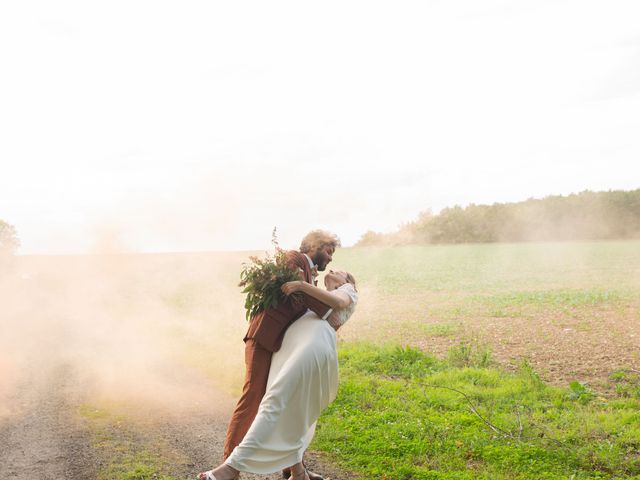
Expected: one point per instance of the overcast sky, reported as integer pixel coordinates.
(172, 126)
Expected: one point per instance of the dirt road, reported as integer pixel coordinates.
(46, 437)
(43, 438)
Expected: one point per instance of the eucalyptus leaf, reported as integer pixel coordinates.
(262, 279)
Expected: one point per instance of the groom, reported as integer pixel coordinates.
(266, 331)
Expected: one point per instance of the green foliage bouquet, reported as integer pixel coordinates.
(262, 279)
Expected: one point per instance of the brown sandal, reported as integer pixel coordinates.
(300, 474)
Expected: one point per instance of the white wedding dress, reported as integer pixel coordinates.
(303, 381)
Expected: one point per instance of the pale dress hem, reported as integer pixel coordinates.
(303, 380)
(250, 467)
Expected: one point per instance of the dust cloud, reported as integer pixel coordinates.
(147, 328)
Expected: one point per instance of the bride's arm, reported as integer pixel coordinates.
(335, 300)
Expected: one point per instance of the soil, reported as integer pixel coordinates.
(43, 438)
(587, 346)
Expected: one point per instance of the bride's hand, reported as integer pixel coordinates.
(290, 287)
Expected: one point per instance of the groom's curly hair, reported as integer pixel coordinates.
(318, 239)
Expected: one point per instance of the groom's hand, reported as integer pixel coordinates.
(291, 287)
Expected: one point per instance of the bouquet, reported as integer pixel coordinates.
(263, 277)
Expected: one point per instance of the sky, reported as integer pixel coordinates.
(154, 126)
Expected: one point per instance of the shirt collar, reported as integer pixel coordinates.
(311, 264)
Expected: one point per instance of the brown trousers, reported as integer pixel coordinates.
(258, 363)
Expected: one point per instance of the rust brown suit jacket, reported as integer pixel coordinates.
(267, 327)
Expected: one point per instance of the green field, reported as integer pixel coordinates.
(402, 414)
(550, 311)
(542, 302)
(493, 361)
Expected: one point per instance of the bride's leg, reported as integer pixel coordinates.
(298, 472)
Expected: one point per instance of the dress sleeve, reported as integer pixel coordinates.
(349, 290)
(337, 318)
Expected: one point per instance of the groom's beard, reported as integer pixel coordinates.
(322, 263)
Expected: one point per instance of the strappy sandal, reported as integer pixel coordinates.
(301, 475)
(286, 473)
(208, 475)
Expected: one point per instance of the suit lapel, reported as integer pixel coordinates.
(302, 262)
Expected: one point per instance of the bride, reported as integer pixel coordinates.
(303, 381)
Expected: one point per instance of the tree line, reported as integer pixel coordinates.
(9, 241)
(587, 215)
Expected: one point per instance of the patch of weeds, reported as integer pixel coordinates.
(469, 354)
(393, 361)
(503, 304)
(627, 384)
(618, 375)
(141, 465)
(441, 329)
(528, 372)
(454, 312)
(579, 391)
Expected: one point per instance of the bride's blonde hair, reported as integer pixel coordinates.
(352, 280)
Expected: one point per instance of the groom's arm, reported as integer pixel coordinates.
(317, 306)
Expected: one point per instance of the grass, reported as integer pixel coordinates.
(394, 419)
